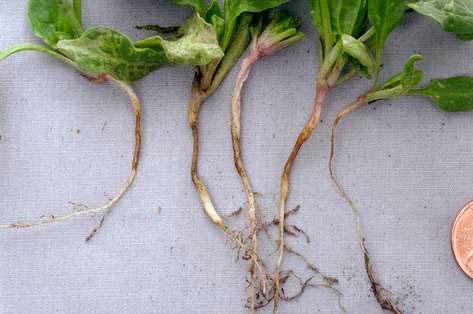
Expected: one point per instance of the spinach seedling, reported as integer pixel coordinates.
(280, 33)
(102, 54)
(235, 26)
(451, 94)
(344, 27)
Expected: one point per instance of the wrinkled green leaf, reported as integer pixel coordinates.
(358, 50)
(408, 78)
(411, 75)
(53, 20)
(454, 16)
(453, 94)
(196, 43)
(234, 8)
(102, 50)
(197, 5)
(385, 16)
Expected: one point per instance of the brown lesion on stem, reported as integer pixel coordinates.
(246, 67)
(322, 91)
(199, 95)
(382, 295)
(135, 102)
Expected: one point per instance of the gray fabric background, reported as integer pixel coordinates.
(408, 165)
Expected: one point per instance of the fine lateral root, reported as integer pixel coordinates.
(82, 210)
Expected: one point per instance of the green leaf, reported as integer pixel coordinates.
(358, 50)
(197, 5)
(322, 19)
(196, 43)
(411, 76)
(214, 16)
(102, 50)
(385, 16)
(408, 78)
(234, 8)
(453, 94)
(239, 44)
(281, 32)
(53, 20)
(212, 10)
(454, 16)
(334, 18)
(77, 6)
(348, 16)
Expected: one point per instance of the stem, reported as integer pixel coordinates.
(78, 10)
(246, 67)
(369, 33)
(330, 60)
(198, 97)
(37, 48)
(322, 92)
(347, 76)
(327, 27)
(216, 71)
(379, 53)
(209, 73)
(108, 206)
(381, 294)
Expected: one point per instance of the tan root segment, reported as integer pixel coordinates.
(248, 63)
(381, 294)
(321, 95)
(109, 205)
(198, 98)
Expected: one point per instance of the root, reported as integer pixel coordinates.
(292, 230)
(240, 167)
(381, 294)
(235, 213)
(198, 97)
(82, 211)
(322, 92)
(96, 229)
(329, 280)
(308, 284)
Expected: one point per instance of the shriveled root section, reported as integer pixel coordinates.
(382, 295)
(105, 209)
(198, 97)
(246, 67)
(264, 287)
(321, 95)
(328, 282)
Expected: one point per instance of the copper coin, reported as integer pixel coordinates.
(462, 239)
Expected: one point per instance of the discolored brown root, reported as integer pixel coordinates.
(321, 95)
(82, 210)
(382, 295)
(198, 97)
(246, 67)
